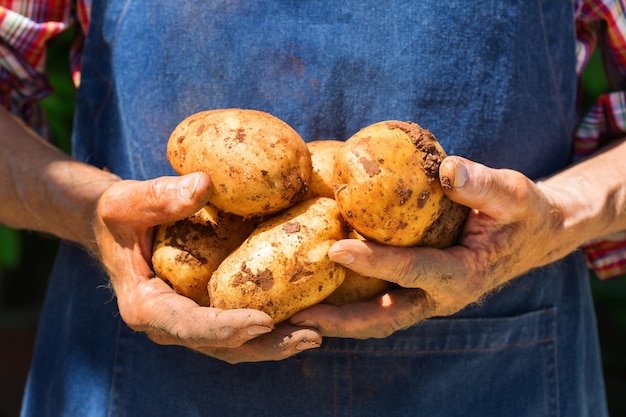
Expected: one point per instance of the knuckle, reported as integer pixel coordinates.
(414, 272)
(156, 188)
(408, 273)
(106, 208)
(134, 320)
(180, 332)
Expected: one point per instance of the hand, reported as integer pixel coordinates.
(511, 229)
(126, 215)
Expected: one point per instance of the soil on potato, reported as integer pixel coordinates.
(263, 280)
(424, 141)
(450, 213)
(450, 221)
(184, 235)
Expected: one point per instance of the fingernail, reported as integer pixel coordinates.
(189, 186)
(343, 257)
(257, 330)
(460, 175)
(306, 344)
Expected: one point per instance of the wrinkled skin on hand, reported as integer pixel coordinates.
(126, 215)
(512, 228)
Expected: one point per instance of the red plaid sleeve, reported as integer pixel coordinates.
(25, 28)
(602, 24)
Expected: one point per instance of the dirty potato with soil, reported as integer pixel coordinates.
(387, 186)
(258, 164)
(187, 252)
(381, 185)
(355, 287)
(283, 266)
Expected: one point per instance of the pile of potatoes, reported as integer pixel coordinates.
(278, 204)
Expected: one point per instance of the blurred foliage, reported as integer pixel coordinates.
(594, 82)
(10, 254)
(59, 106)
(22, 281)
(11, 244)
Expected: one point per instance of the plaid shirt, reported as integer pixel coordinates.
(26, 25)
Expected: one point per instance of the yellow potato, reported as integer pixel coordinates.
(283, 266)
(356, 287)
(187, 252)
(258, 164)
(323, 159)
(388, 189)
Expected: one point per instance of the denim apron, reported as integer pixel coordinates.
(493, 80)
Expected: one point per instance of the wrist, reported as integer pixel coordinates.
(73, 191)
(588, 199)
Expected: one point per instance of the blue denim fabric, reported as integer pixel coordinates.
(495, 82)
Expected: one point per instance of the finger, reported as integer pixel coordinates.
(447, 276)
(377, 318)
(285, 341)
(205, 326)
(171, 319)
(494, 192)
(407, 267)
(143, 204)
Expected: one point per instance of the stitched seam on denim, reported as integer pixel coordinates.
(109, 83)
(118, 373)
(335, 386)
(555, 364)
(551, 410)
(349, 385)
(557, 90)
(549, 368)
(435, 351)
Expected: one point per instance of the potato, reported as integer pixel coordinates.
(323, 160)
(187, 252)
(388, 189)
(258, 164)
(283, 266)
(356, 287)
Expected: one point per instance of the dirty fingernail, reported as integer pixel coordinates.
(306, 344)
(460, 175)
(257, 330)
(189, 186)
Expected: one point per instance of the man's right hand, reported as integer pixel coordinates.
(126, 215)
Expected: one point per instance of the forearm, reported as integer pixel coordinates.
(43, 189)
(589, 198)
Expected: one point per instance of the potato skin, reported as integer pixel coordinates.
(283, 266)
(258, 164)
(355, 288)
(187, 252)
(388, 189)
(323, 161)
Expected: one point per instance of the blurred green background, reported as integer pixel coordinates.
(26, 259)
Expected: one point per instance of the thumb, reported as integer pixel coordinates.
(498, 193)
(144, 204)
